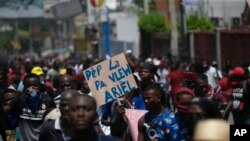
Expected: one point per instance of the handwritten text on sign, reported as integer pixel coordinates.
(110, 79)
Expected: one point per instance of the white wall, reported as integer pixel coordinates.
(224, 9)
(127, 30)
(127, 35)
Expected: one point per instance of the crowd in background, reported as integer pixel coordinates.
(49, 99)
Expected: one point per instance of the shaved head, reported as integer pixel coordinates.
(82, 112)
(83, 97)
(66, 96)
(69, 93)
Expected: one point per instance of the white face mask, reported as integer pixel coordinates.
(32, 91)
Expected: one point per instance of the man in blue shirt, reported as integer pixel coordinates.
(159, 123)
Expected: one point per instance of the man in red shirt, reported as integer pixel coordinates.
(175, 77)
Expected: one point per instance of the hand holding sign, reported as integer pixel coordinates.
(110, 79)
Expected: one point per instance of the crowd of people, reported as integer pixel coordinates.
(49, 100)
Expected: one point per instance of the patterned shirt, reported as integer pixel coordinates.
(163, 127)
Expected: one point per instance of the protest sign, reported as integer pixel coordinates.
(110, 79)
(133, 117)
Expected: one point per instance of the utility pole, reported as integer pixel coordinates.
(201, 8)
(145, 6)
(174, 32)
(218, 48)
(184, 50)
(106, 31)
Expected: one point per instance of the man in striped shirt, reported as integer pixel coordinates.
(30, 107)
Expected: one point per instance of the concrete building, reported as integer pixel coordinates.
(224, 13)
(124, 34)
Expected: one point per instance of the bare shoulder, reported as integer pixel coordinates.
(141, 121)
(140, 129)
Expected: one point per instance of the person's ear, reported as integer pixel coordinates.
(152, 75)
(158, 98)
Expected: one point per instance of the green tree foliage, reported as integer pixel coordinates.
(140, 4)
(199, 23)
(152, 23)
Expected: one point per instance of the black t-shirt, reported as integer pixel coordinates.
(105, 138)
(237, 97)
(97, 137)
(49, 133)
(3, 123)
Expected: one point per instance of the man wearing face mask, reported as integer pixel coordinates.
(182, 98)
(43, 88)
(39, 71)
(30, 107)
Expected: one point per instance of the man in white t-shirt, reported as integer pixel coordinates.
(213, 74)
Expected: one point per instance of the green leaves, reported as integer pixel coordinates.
(199, 23)
(138, 2)
(152, 23)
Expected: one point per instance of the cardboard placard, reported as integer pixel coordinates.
(110, 79)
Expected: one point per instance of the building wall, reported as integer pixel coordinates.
(127, 35)
(128, 32)
(225, 10)
(163, 7)
(234, 46)
(205, 47)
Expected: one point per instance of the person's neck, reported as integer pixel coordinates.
(181, 115)
(147, 81)
(86, 135)
(157, 110)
